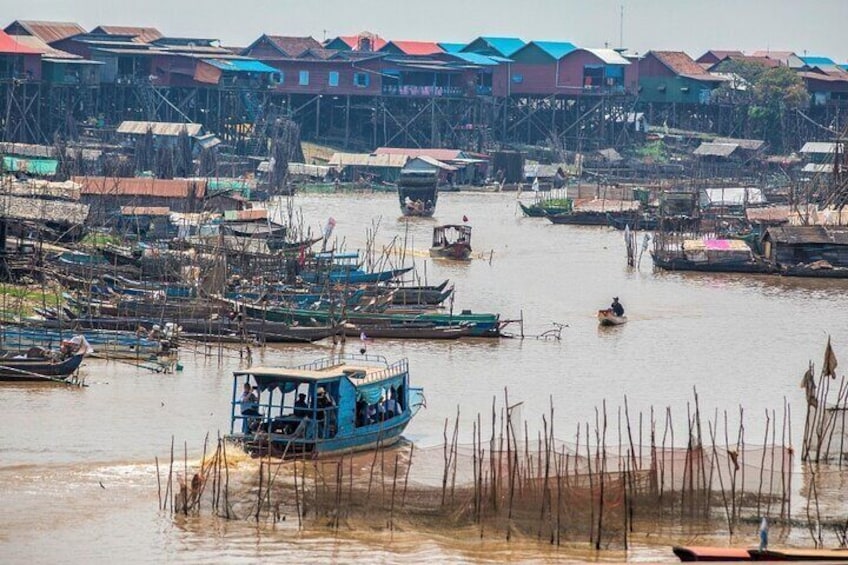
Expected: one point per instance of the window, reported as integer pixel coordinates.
(333, 78)
(303, 78)
(517, 78)
(361, 80)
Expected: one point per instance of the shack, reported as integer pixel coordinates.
(107, 196)
(824, 246)
(367, 167)
(145, 222)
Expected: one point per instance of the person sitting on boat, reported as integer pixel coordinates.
(392, 407)
(301, 408)
(249, 408)
(616, 307)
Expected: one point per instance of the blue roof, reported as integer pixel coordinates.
(844, 67)
(478, 59)
(556, 49)
(241, 65)
(506, 46)
(451, 47)
(817, 60)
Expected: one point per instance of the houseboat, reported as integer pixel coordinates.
(452, 241)
(334, 405)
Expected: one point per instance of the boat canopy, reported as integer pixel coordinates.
(364, 372)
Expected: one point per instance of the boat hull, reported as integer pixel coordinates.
(607, 318)
(35, 370)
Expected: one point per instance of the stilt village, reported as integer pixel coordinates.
(286, 227)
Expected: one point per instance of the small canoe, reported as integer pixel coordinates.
(607, 318)
(697, 553)
(705, 553)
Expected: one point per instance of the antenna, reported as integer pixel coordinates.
(621, 29)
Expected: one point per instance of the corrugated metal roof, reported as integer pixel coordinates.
(800, 235)
(748, 144)
(819, 147)
(731, 196)
(292, 46)
(354, 41)
(251, 215)
(140, 34)
(708, 149)
(145, 211)
(432, 162)
(452, 47)
(48, 32)
(43, 167)
(241, 65)
(435, 153)
(8, 45)
(605, 205)
(367, 160)
(556, 49)
(415, 47)
(609, 56)
(504, 46)
(478, 59)
(817, 60)
(47, 52)
(682, 64)
(173, 188)
(819, 168)
(43, 210)
(168, 129)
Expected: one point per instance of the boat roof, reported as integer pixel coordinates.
(361, 370)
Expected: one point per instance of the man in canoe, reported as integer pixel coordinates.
(616, 307)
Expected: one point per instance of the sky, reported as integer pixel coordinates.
(693, 26)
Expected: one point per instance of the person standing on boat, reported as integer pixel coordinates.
(301, 408)
(616, 307)
(249, 407)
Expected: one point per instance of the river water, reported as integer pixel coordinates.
(77, 472)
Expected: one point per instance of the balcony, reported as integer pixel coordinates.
(423, 91)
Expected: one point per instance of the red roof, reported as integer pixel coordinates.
(161, 188)
(11, 47)
(681, 63)
(417, 47)
(352, 41)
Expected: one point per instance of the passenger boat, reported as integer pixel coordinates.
(451, 241)
(37, 367)
(418, 192)
(700, 553)
(334, 405)
(607, 317)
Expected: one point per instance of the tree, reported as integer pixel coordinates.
(777, 91)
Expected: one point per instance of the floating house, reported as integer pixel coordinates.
(823, 246)
(106, 196)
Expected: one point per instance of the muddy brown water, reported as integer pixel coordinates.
(77, 475)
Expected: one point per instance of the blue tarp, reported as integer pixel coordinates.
(241, 65)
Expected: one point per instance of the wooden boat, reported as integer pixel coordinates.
(38, 368)
(354, 276)
(697, 553)
(583, 218)
(412, 330)
(608, 318)
(418, 192)
(410, 295)
(548, 207)
(451, 241)
(702, 553)
(349, 403)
